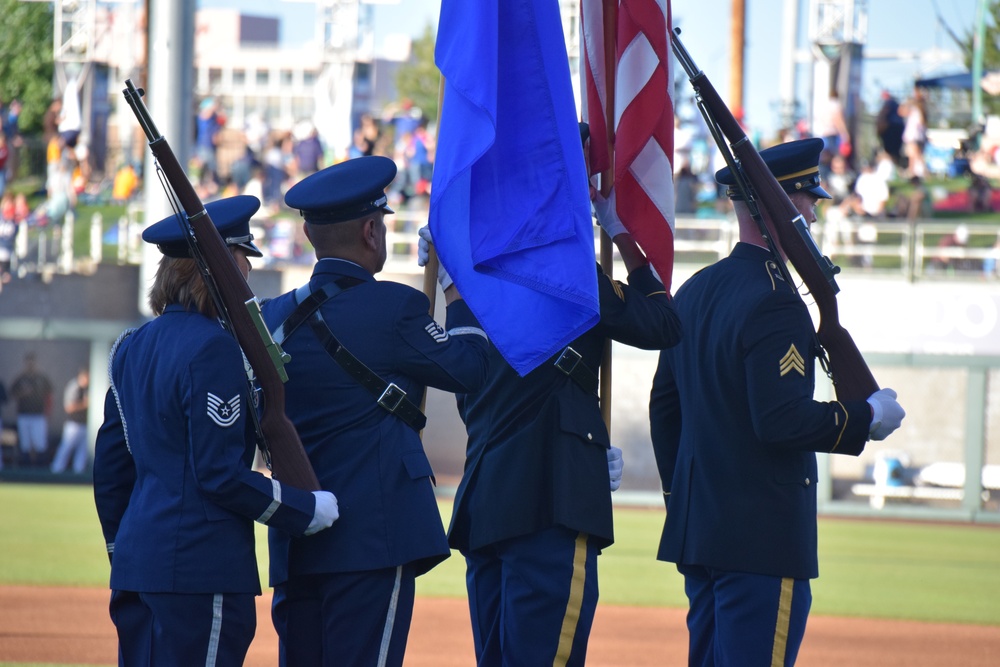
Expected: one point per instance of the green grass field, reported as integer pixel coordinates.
(49, 536)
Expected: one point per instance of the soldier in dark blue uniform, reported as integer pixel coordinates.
(735, 427)
(363, 352)
(533, 509)
(173, 483)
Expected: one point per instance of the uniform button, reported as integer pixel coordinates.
(590, 436)
(807, 481)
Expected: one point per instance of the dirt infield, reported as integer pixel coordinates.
(71, 625)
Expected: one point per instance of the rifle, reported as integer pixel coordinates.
(845, 367)
(238, 309)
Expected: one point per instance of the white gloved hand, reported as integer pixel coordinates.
(325, 514)
(607, 214)
(424, 255)
(615, 466)
(887, 414)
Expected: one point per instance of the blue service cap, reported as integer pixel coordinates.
(231, 217)
(345, 191)
(794, 164)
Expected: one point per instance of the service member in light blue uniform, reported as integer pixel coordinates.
(735, 427)
(533, 509)
(173, 483)
(345, 597)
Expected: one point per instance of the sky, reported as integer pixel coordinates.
(893, 26)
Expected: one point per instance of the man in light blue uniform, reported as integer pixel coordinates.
(173, 484)
(735, 429)
(362, 352)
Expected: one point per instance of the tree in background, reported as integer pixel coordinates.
(418, 79)
(26, 65)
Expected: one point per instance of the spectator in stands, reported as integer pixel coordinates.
(913, 203)
(889, 125)
(308, 150)
(915, 133)
(872, 193)
(4, 157)
(957, 239)
(686, 186)
(8, 232)
(125, 184)
(209, 124)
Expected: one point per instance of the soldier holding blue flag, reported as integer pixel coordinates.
(533, 509)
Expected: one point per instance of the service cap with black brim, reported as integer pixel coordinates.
(231, 217)
(345, 191)
(795, 165)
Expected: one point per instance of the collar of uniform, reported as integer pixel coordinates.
(334, 266)
(744, 250)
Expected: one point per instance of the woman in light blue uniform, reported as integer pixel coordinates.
(173, 484)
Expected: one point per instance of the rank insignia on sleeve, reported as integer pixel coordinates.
(223, 413)
(437, 332)
(792, 361)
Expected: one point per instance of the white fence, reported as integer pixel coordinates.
(920, 249)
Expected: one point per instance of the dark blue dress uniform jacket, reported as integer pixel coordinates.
(177, 513)
(371, 460)
(537, 450)
(735, 427)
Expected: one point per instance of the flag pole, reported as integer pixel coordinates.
(607, 251)
(431, 268)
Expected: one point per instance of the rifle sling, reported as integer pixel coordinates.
(388, 395)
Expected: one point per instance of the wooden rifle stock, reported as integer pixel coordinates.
(289, 461)
(850, 373)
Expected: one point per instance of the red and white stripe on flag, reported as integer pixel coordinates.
(643, 122)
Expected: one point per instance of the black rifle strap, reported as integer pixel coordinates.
(387, 394)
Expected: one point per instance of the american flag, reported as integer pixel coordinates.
(629, 83)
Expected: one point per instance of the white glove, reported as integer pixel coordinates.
(607, 214)
(615, 466)
(424, 255)
(887, 414)
(325, 514)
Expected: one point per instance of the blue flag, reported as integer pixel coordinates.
(510, 204)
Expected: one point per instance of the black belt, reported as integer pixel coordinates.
(571, 363)
(388, 395)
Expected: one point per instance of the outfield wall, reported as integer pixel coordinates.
(936, 343)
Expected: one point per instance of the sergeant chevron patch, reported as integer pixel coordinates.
(437, 332)
(792, 361)
(223, 413)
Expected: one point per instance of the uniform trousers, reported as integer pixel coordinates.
(360, 619)
(736, 619)
(208, 629)
(532, 598)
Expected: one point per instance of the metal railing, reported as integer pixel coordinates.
(915, 249)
